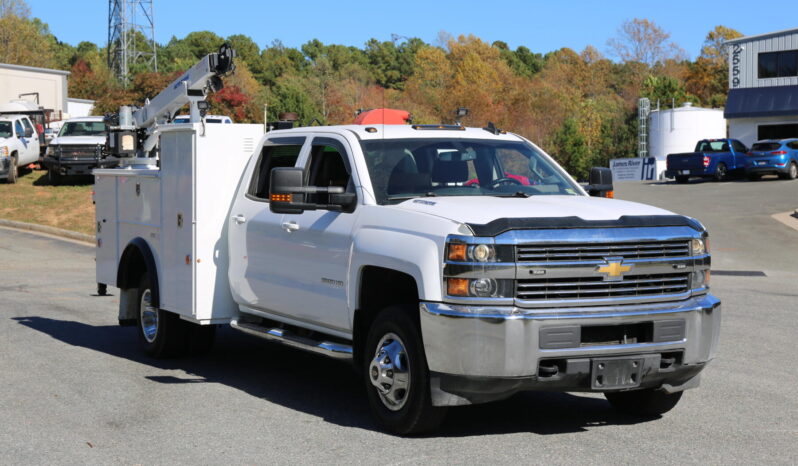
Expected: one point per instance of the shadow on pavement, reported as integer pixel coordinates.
(325, 388)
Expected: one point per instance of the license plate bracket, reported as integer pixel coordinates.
(615, 373)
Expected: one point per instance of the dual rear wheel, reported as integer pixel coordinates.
(164, 334)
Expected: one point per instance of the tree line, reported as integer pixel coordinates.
(579, 106)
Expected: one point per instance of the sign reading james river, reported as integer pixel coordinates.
(635, 169)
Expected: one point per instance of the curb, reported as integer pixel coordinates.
(73, 235)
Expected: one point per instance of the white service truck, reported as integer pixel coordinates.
(19, 145)
(451, 265)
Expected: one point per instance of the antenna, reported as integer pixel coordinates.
(131, 38)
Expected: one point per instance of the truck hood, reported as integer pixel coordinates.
(484, 209)
(78, 140)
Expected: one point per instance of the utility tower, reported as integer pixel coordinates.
(131, 38)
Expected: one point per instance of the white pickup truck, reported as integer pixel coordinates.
(450, 265)
(19, 145)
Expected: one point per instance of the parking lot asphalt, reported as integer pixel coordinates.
(75, 389)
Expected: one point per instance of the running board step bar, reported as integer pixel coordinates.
(327, 348)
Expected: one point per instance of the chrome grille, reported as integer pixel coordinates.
(596, 288)
(597, 252)
(79, 151)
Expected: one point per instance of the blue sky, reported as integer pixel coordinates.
(542, 26)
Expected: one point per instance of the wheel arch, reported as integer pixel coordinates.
(136, 259)
(378, 288)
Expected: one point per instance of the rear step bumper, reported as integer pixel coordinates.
(327, 348)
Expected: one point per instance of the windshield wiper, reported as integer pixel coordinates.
(515, 194)
(404, 198)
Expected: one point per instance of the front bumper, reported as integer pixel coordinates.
(78, 166)
(478, 353)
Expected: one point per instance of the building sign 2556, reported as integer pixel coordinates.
(737, 50)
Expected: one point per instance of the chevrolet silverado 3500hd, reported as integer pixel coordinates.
(408, 250)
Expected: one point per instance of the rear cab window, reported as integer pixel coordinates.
(712, 146)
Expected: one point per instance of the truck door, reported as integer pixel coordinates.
(254, 232)
(316, 244)
(31, 143)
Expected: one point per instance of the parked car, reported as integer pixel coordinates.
(712, 158)
(772, 157)
(78, 148)
(208, 119)
(19, 145)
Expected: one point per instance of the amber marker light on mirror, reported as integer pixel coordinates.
(280, 197)
(610, 194)
(457, 286)
(457, 252)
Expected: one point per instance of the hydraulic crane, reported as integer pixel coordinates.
(133, 131)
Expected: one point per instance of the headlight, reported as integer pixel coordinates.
(4, 151)
(479, 287)
(461, 252)
(50, 150)
(697, 246)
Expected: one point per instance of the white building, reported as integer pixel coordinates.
(47, 88)
(763, 86)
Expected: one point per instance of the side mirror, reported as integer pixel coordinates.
(600, 182)
(287, 194)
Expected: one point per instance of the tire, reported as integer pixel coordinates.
(646, 402)
(682, 179)
(53, 176)
(792, 172)
(13, 171)
(753, 177)
(162, 333)
(401, 405)
(721, 172)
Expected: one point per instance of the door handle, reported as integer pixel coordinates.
(239, 219)
(290, 226)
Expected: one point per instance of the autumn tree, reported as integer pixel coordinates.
(708, 75)
(641, 40)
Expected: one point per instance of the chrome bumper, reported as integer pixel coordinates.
(504, 341)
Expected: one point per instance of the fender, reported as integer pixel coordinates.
(123, 279)
(403, 251)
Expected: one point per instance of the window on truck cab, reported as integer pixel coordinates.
(712, 146)
(28, 126)
(277, 152)
(738, 146)
(328, 166)
(5, 129)
(18, 129)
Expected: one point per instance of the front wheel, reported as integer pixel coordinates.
(647, 402)
(53, 176)
(396, 374)
(13, 171)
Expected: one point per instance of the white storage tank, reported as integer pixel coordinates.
(678, 129)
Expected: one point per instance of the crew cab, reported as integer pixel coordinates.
(773, 157)
(19, 145)
(78, 148)
(713, 158)
(450, 265)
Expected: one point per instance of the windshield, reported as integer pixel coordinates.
(404, 168)
(83, 128)
(5, 129)
(765, 146)
(712, 146)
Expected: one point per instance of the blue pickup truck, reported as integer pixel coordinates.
(712, 158)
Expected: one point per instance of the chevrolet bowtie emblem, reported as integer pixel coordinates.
(614, 270)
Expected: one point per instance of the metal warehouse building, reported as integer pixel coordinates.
(763, 86)
(46, 87)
